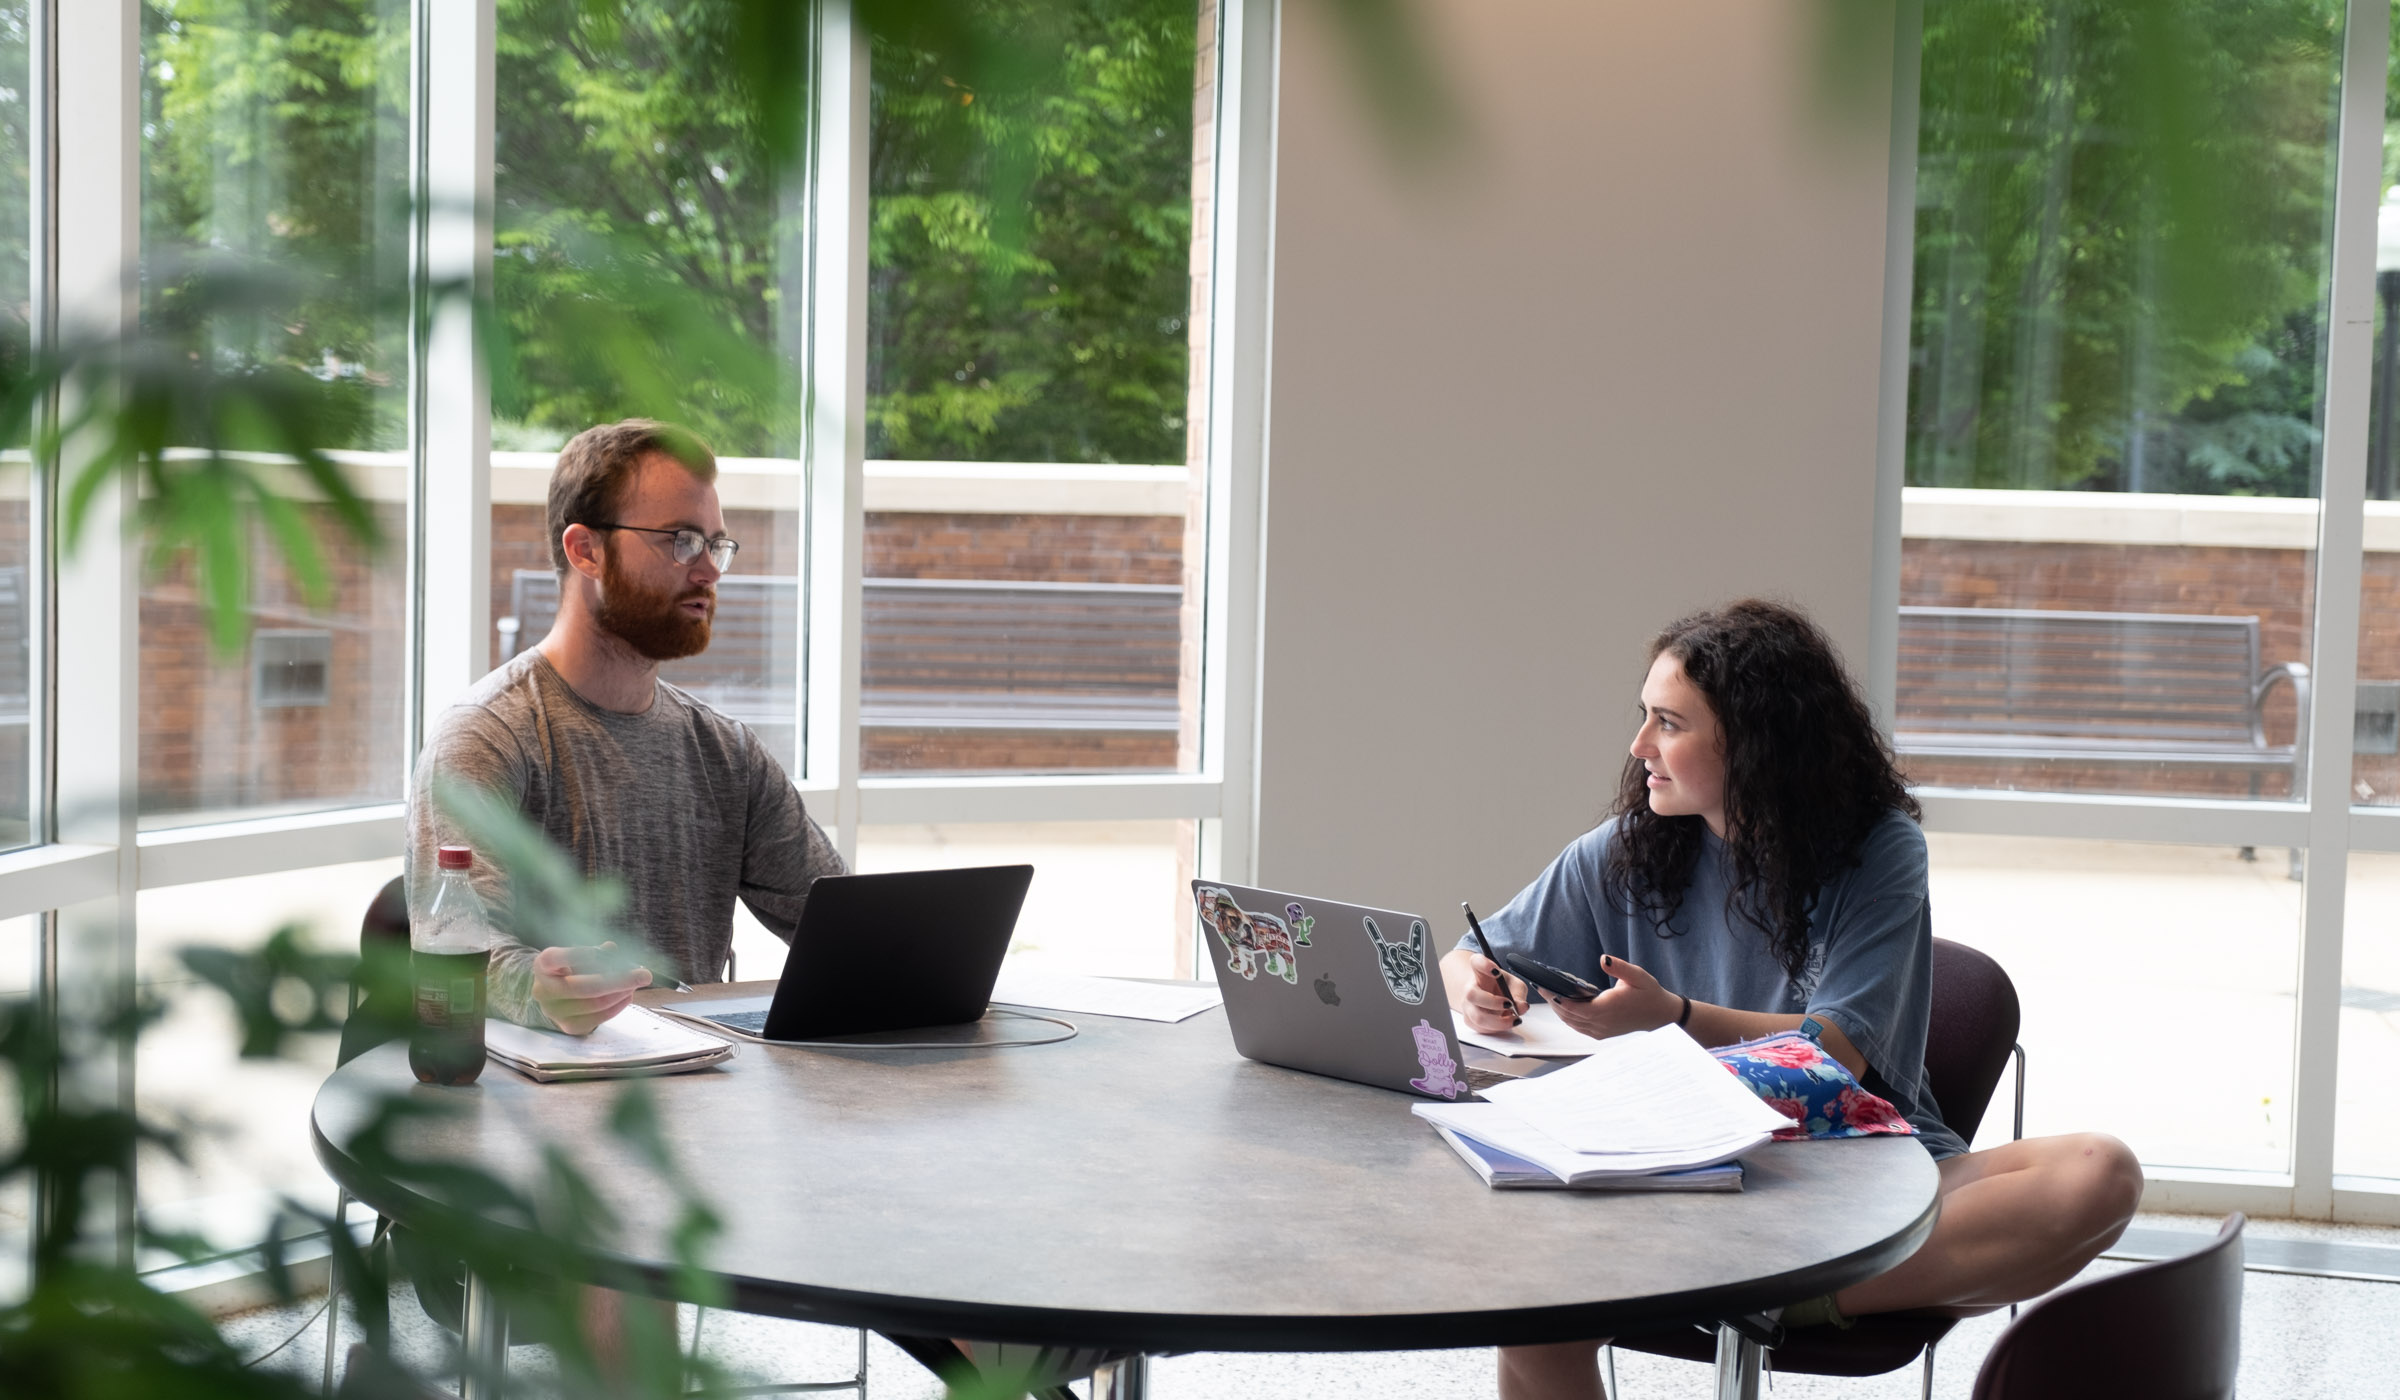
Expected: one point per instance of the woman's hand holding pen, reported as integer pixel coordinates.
(1492, 1001)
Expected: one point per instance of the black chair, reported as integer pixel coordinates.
(1971, 1038)
(2171, 1330)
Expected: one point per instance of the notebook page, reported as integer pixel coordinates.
(1542, 1034)
(635, 1035)
(1648, 1091)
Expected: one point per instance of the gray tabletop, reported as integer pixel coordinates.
(1142, 1186)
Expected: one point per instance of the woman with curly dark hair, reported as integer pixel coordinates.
(1761, 870)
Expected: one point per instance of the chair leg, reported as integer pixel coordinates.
(333, 1287)
(1608, 1373)
(1929, 1350)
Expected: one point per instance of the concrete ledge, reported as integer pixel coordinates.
(2107, 517)
(963, 488)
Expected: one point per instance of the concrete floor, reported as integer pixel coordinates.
(2302, 1339)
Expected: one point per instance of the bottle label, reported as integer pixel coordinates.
(433, 1009)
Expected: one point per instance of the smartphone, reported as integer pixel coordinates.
(1551, 979)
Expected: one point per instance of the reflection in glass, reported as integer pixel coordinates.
(275, 148)
(2111, 412)
(634, 190)
(2375, 761)
(2108, 942)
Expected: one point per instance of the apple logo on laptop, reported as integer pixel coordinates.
(1326, 993)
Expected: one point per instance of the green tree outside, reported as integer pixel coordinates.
(2122, 226)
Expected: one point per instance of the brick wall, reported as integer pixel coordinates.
(206, 746)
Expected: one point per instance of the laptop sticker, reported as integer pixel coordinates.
(1252, 941)
(1402, 964)
(1302, 922)
(1433, 1056)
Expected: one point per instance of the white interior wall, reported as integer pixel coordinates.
(1614, 360)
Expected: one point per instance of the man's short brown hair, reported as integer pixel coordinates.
(597, 465)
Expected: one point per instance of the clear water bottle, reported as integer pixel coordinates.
(450, 958)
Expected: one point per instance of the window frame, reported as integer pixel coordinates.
(2326, 826)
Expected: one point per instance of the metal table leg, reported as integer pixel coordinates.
(1127, 1378)
(1739, 1363)
(483, 1341)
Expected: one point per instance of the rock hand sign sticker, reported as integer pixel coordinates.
(1402, 964)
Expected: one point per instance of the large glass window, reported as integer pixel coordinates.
(647, 262)
(274, 242)
(2108, 560)
(1032, 302)
(2113, 944)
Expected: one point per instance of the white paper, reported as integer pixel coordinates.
(634, 1036)
(1543, 1034)
(1103, 996)
(1647, 1091)
(1497, 1126)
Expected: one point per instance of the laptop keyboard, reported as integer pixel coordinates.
(755, 1022)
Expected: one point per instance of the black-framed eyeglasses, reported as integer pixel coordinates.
(688, 543)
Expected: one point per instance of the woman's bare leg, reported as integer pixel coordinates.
(2017, 1221)
(1560, 1371)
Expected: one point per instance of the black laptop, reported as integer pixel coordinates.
(886, 952)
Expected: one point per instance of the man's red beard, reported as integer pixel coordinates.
(652, 621)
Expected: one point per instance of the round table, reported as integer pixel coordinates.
(1142, 1187)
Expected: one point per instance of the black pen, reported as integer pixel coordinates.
(1499, 978)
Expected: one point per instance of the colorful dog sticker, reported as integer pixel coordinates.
(1433, 1056)
(1402, 964)
(1302, 922)
(1252, 941)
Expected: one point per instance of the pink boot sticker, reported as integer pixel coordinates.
(1433, 1056)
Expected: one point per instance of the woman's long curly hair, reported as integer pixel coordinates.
(1807, 776)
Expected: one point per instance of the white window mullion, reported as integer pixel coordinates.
(2340, 561)
(450, 519)
(835, 394)
(97, 226)
(1891, 417)
(1242, 282)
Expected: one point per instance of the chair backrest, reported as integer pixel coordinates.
(374, 1020)
(1974, 1027)
(2171, 1330)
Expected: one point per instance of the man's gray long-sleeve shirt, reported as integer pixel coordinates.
(681, 803)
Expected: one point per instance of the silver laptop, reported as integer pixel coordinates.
(1338, 989)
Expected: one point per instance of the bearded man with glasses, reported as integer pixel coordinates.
(633, 776)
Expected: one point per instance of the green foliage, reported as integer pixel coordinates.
(2121, 232)
(1029, 246)
(641, 251)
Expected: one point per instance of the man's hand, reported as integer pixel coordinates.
(578, 988)
(1635, 1003)
(1474, 983)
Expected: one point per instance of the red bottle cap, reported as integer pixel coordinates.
(457, 857)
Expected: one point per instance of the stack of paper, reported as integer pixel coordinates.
(1638, 1105)
(636, 1040)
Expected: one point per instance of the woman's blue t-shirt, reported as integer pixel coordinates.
(1870, 950)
